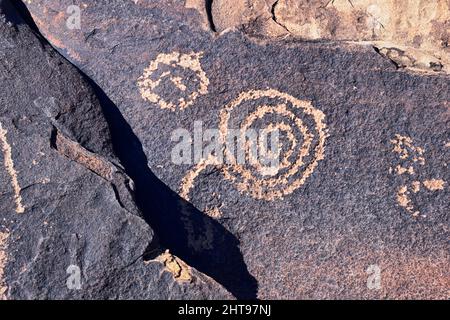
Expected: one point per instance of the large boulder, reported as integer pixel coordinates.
(69, 226)
(358, 206)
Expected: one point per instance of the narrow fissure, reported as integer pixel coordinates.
(274, 17)
(208, 7)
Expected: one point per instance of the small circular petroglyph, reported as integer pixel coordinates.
(174, 80)
(302, 147)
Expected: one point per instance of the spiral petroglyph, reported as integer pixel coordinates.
(174, 80)
(302, 145)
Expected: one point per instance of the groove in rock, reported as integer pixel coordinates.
(208, 7)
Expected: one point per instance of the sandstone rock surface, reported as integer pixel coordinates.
(414, 34)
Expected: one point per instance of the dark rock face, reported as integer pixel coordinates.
(359, 206)
(67, 207)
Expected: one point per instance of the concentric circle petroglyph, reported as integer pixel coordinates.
(304, 131)
(174, 80)
(303, 127)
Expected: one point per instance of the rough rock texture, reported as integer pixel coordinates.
(364, 184)
(66, 204)
(414, 33)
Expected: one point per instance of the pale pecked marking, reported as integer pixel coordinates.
(9, 165)
(187, 183)
(409, 153)
(178, 268)
(297, 171)
(173, 60)
(3, 288)
(277, 186)
(404, 201)
(434, 184)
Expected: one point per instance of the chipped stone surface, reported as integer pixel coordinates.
(178, 268)
(3, 259)
(412, 160)
(9, 166)
(434, 184)
(58, 170)
(413, 33)
(316, 240)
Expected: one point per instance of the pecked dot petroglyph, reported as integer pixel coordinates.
(405, 148)
(434, 184)
(174, 74)
(3, 240)
(412, 159)
(404, 200)
(415, 186)
(214, 212)
(9, 165)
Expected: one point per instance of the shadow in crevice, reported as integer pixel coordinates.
(169, 215)
(208, 7)
(24, 15)
(165, 211)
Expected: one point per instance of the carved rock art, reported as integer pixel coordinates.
(318, 241)
(9, 165)
(296, 119)
(305, 131)
(412, 158)
(84, 218)
(3, 239)
(174, 74)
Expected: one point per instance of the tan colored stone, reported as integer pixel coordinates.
(412, 33)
